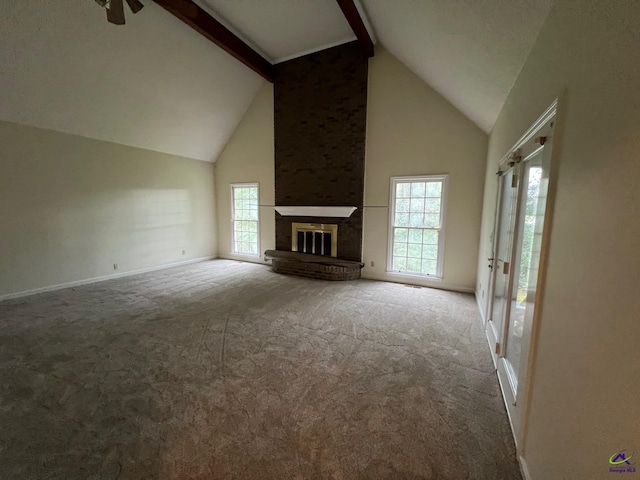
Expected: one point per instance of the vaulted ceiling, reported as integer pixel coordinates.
(283, 29)
(157, 84)
(470, 51)
(153, 83)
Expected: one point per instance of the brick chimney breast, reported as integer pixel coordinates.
(320, 114)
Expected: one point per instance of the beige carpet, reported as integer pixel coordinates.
(226, 370)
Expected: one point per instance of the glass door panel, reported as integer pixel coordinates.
(527, 259)
(502, 253)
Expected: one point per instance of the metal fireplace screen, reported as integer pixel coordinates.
(315, 238)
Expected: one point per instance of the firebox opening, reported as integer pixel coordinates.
(315, 239)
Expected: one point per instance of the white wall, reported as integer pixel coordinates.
(469, 51)
(249, 157)
(153, 83)
(584, 392)
(71, 207)
(412, 130)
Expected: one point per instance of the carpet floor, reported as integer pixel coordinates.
(226, 370)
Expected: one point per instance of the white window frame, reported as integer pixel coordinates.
(233, 219)
(444, 178)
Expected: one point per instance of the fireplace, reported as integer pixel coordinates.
(315, 238)
(320, 119)
(314, 252)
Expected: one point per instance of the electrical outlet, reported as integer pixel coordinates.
(184, 252)
(373, 264)
(115, 266)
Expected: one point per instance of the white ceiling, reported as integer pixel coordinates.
(157, 84)
(153, 83)
(283, 29)
(470, 51)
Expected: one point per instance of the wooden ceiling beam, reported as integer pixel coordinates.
(352, 15)
(205, 24)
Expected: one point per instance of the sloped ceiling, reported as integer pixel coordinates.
(283, 29)
(469, 51)
(157, 84)
(153, 83)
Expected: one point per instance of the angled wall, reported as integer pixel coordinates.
(412, 130)
(153, 83)
(248, 157)
(72, 207)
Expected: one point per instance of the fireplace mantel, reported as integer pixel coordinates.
(315, 211)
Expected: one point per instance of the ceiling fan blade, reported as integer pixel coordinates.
(135, 5)
(115, 12)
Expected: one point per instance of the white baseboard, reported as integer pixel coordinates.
(524, 468)
(409, 280)
(481, 309)
(102, 278)
(244, 258)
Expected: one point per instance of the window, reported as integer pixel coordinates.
(244, 205)
(417, 223)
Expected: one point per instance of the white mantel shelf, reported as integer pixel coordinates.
(342, 212)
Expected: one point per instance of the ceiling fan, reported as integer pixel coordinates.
(115, 9)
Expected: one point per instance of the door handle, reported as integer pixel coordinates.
(490, 262)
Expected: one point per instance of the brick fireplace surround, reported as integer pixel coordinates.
(320, 113)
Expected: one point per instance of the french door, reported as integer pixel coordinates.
(517, 247)
(501, 260)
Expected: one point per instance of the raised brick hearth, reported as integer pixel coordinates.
(313, 266)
